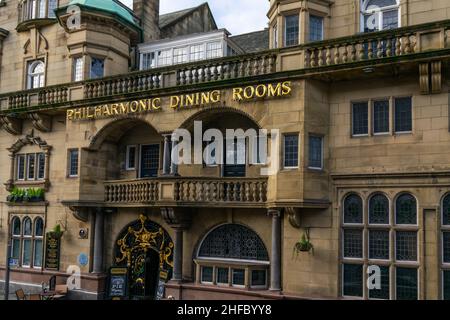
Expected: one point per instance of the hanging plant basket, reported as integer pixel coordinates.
(304, 245)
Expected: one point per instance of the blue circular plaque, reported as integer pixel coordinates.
(83, 259)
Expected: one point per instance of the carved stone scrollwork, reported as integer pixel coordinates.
(41, 122)
(11, 125)
(424, 78)
(430, 77)
(80, 213)
(294, 217)
(436, 77)
(175, 218)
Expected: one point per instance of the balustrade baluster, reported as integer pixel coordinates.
(389, 47)
(398, 45)
(353, 52)
(379, 49)
(328, 56)
(345, 54)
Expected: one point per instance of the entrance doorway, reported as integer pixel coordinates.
(149, 161)
(144, 275)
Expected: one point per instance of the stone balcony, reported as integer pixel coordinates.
(339, 58)
(187, 191)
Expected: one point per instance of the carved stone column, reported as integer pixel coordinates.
(166, 155)
(275, 261)
(98, 240)
(174, 158)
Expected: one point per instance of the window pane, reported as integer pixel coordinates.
(390, 19)
(21, 167)
(131, 157)
(315, 28)
(197, 52)
(238, 277)
(31, 163)
(315, 152)
(382, 293)
(214, 50)
(379, 244)
(353, 280)
(446, 283)
(37, 253)
(26, 258)
(41, 166)
(446, 246)
(406, 284)
(403, 114)
(78, 69)
(446, 210)
(180, 55)
(39, 227)
(15, 251)
(381, 116)
(275, 36)
(291, 30)
(27, 227)
(148, 60)
(379, 209)
(259, 278)
(222, 275)
(52, 5)
(207, 274)
(41, 5)
(16, 227)
(353, 243)
(360, 118)
(406, 245)
(73, 165)
(353, 209)
(97, 68)
(290, 151)
(406, 210)
(164, 58)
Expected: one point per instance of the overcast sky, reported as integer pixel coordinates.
(238, 16)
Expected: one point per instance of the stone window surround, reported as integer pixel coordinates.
(14, 151)
(392, 263)
(370, 103)
(22, 215)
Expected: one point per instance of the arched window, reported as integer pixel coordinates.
(38, 242)
(446, 247)
(36, 74)
(379, 209)
(353, 209)
(27, 241)
(234, 255)
(380, 15)
(406, 209)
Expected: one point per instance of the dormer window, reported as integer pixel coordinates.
(36, 74)
(380, 15)
(37, 9)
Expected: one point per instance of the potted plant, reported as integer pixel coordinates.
(36, 195)
(304, 245)
(57, 232)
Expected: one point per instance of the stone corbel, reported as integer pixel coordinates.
(436, 77)
(11, 125)
(80, 213)
(177, 218)
(41, 122)
(293, 217)
(430, 77)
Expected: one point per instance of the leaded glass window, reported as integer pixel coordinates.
(207, 274)
(379, 244)
(36, 74)
(291, 151)
(291, 30)
(222, 276)
(446, 246)
(406, 284)
(259, 278)
(360, 118)
(383, 292)
(403, 114)
(446, 211)
(353, 243)
(233, 241)
(315, 152)
(381, 116)
(406, 210)
(380, 15)
(40, 166)
(238, 277)
(379, 209)
(315, 28)
(16, 227)
(406, 245)
(352, 280)
(353, 209)
(97, 68)
(73, 163)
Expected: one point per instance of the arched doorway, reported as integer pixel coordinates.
(146, 249)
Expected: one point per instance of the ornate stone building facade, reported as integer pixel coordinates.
(357, 90)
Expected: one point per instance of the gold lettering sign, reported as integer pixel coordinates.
(180, 102)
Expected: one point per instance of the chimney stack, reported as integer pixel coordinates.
(148, 12)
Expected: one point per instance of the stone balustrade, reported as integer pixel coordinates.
(430, 40)
(188, 190)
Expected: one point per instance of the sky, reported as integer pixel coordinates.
(237, 16)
